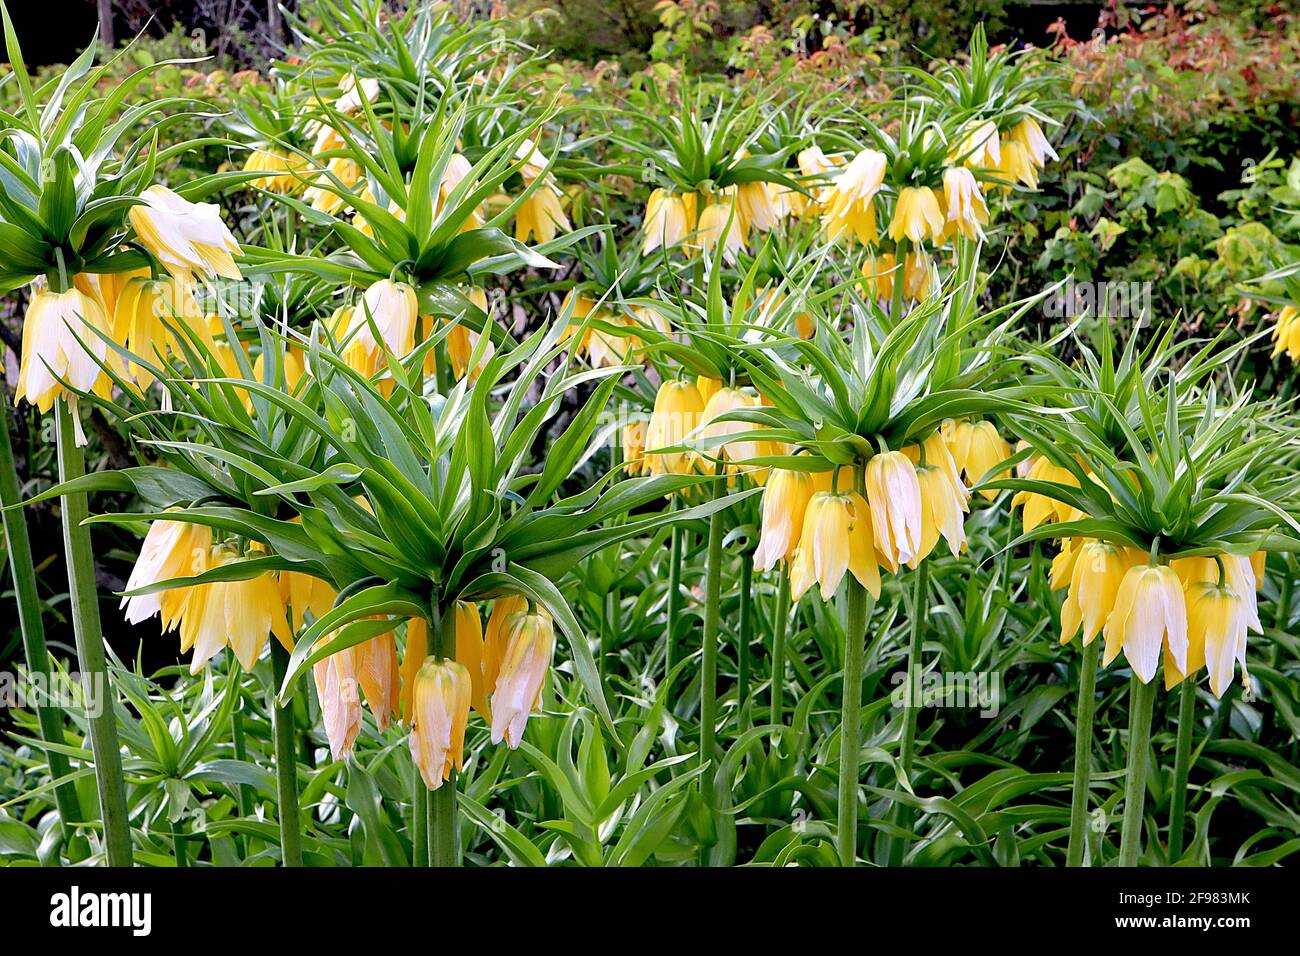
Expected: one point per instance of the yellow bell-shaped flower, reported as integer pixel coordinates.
(676, 414)
(341, 173)
(850, 202)
(965, 211)
(239, 613)
(813, 164)
(1150, 614)
(186, 237)
(1098, 569)
(147, 311)
(978, 450)
(541, 215)
(944, 499)
(171, 549)
(894, 494)
(917, 215)
(837, 536)
(1030, 136)
(1039, 508)
(387, 307)
(669, 219)
(283, 169)
(471, 651)
(1017, 165)
(736, 453)
(62, 339)
(878, 271)
(979, 147)
(302, 593)
(494, 637)
(529, 645)
(718, 225)
(920, 277)
(785, 500)
(1286, 334)
(1217, 619)
(634, 434)
(440, 707)
(757, 207)
(370, 669)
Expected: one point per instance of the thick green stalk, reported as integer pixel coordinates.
(709, 756)
(22, 566)
(84, 601)
(1141, 703)
(443, 378)
(443, 851)
(902, 815)
(1083, 737)
(855, 640)
(709, 656)
(609, 631)
(179, 848)
(745, 627)
(920, 596)
(900, 269)
(442, 825)
(286, 764)
(419, 823)
(1182, 765)
(780, 621)
(674, 608)
(243, 792)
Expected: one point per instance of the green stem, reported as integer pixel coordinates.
(443, 851)
(709, 657)
(178, 847)
(286, 763)
(1182, 765)
(84, 601)
(674, 609)
(444, 380)
(900, 273)
(745, 627)
(779, 624)
(920, 595)
(442, 825)
(19, 549)
(610, 630)
(243, 796)
(1083, 738)
(709, 664)
(1141, 703)
(855, 640)
(419, 823)
(902, 815)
